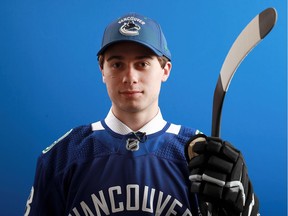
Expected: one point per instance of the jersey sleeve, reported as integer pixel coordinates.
(48, 194)
(45, 197)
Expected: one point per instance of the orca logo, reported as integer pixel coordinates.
(132, 144)
(129, 29)
(57, 141)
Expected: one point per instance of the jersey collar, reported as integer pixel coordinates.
(155, 125)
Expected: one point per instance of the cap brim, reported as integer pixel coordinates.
(157, 52)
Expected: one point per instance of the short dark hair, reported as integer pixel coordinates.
(162, 60)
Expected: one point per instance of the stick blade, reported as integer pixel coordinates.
(252, 34)
(267, 20)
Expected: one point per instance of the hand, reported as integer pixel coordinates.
(219, 175)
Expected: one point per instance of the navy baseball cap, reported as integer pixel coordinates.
(137, 28)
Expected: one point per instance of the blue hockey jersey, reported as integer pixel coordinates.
(107, 169)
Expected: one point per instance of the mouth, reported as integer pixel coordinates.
(131, 93)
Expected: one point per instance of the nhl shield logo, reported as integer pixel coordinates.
(129, 29)
(132, 144)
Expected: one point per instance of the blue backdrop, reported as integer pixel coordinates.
(50, 82)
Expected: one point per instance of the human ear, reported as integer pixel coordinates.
(166, 69)
(102, 73)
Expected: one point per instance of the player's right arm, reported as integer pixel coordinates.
(45, 197)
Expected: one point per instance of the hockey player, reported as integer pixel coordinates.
(133, 162)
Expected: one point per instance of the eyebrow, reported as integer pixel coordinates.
(137, 57)
(114, 57)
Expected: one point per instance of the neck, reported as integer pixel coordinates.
(135, 120)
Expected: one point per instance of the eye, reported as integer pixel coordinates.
(143, 64)
(116, 65)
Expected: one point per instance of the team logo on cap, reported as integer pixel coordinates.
(129, 29)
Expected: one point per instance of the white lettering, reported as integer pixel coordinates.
(187, 213)
(75, 212)
(160, 207)
(145, 198)
(129, 206)
(102, 204)
(137, 199)
(171, 209)
(86, 209)
(125, 19)
(29, 201)
(117, 189)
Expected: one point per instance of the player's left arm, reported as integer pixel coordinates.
(219, 175)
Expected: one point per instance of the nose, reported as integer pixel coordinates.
(131, 76)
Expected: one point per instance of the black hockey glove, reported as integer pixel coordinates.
(219, 175)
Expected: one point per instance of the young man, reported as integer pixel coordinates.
(133, 162)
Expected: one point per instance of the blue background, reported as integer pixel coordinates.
(50, 82)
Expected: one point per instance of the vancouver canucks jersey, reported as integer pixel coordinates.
(107, 169)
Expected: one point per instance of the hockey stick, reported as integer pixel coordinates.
(250, 36)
